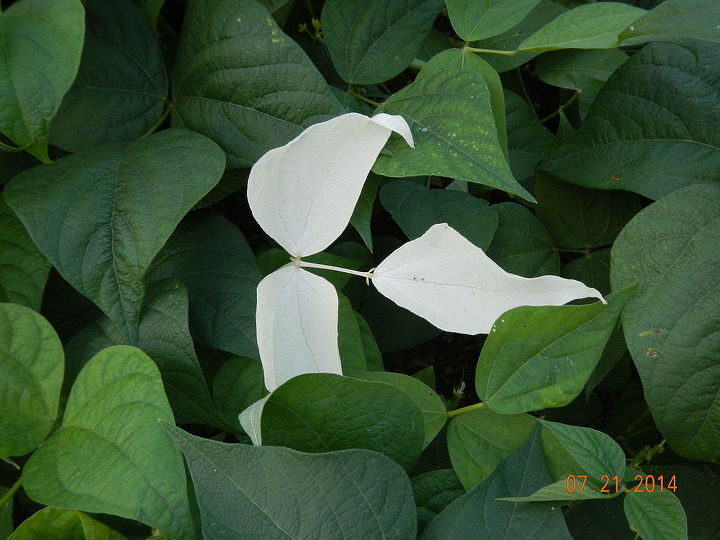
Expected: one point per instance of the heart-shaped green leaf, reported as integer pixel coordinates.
(590, 26)
(372, 41)
(111, 454)
(23, 269)
(212, 259)
(242, 82)
(656, 515)
(528, 364)
(473, 20)
(322, 412)
(479, 513)
(478, 440)
(453, 125)
(121, 87)
(597, 453)
(650, 128)
(278, 493)
(416, 209)
(164, 335)
(40, 46)
(102, 215)
(66, 524)
(31, 375)
(672, 325)
(521, 244)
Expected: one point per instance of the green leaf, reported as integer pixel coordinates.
(590, 26)
(583, 70)
(31, 375)
(164, 335)
(430, 404)
(597, 453)
(612, 354)
(593, 269)
(675, 20)
(461, 59)
(541, 14)
(242, 82)
(41, 43)
(6, 516)
(237, 385)
(697, 493)
(559, 492)
(581, 218)
(648, 130)
(111, 455)
(371, 42)
(478, 440)
(101, 215)
(66, 524)
(121, 87)
(521, 244)
(541, 356)
(323, 412)
(363, 209)
(416, 209)
(353, 494)
(352, 351)
(452, 122)
(433, 491)
(479, 513)
(657, 515)
(527, 137)
(474, 20)
(673, 322)
(23, 269)
(211, 257)
(151, 9)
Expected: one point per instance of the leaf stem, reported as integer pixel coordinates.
(461, 410)
(10, 492)
(163, 117)
(305, 264)
(569, 250)
(363, 98)
(489, 51)
(562, 107)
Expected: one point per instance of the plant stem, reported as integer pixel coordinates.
(305, 264)
(163, 117)
(461, 410)
(363, 98)
(10, 492)
(568, 250)
(562, 107)
(489, 51)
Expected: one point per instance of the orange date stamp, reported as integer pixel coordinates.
(642, 483)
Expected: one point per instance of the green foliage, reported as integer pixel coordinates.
(572, 138)
(336, 492)
(671, 248)
(32, 374)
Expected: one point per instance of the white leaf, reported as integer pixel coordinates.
(250, 420)
(297, 320)
(304, 193)
(447, 280)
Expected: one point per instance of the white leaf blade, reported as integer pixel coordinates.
(304, 193)
(297, 320)
(447, 280)
(250, 420)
